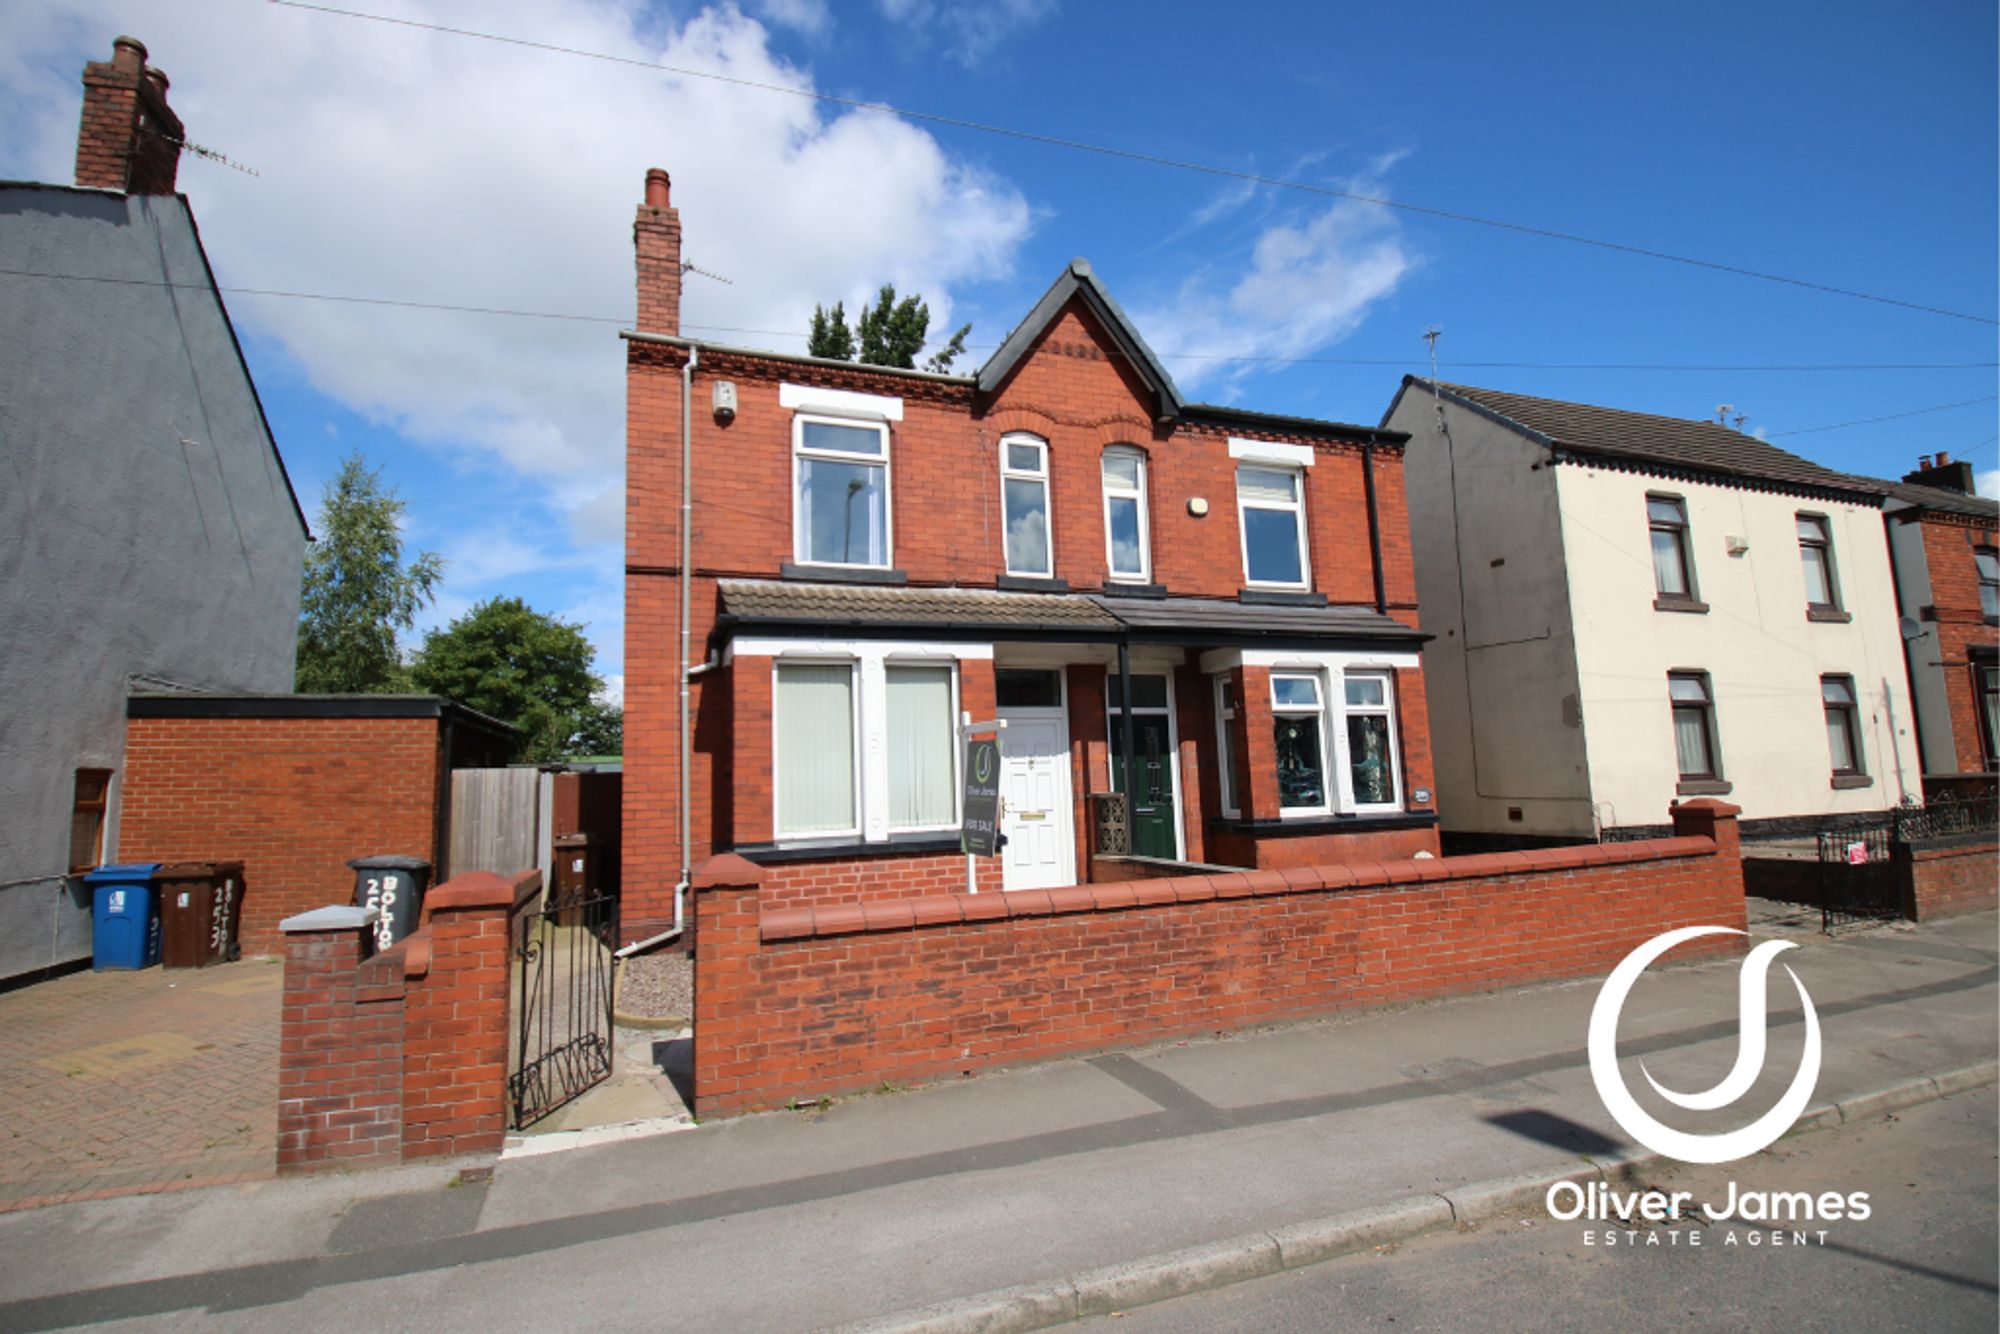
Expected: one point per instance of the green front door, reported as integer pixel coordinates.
(1153, 797)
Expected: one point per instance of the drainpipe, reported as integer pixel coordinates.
(687, 613)
(1374, 523)
(1125, 736)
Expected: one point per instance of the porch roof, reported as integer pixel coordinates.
(796, 607)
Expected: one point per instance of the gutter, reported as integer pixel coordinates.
(795, 358)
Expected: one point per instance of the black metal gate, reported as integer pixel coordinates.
(562, 1002)
(1857, 876)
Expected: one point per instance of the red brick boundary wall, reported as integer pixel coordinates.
(801, 1001)
(1942, 881)
(402, 1055)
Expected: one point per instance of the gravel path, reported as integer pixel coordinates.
(657, 986)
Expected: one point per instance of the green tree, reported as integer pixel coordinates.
(892, 332)
(358, 592)
(513, 663)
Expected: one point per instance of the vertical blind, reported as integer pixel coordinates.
(813, 725)
(922, 784)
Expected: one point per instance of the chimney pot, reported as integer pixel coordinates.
(158, 79)
(1942, 459)
(1924, 461)
(128, 54)
(658, 184)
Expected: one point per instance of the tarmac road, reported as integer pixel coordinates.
(1925, 1259)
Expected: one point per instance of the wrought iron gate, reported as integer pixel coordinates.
(562, 1003)
(1857, 876)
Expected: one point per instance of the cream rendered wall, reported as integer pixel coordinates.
(1763, 656)
(1500, 671)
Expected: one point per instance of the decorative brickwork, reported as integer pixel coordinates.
(809, 1000)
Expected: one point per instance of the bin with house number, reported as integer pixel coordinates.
(396, 886)
(200, 905)
(125, 928)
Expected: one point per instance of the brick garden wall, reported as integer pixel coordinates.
(402, 1055)
(804, 1001)
(1942, 881)
(291, 798)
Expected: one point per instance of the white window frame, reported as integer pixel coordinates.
(1386, 709)
(856, 712)
(957, 749)
(799, 451)
(1326, 757)
(1297, 508)
(1108, 493)
(1011, 474)
(1231, 799)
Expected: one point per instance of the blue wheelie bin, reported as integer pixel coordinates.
(125, 921)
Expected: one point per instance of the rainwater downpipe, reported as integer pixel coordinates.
(685, 672)
(1374, 523)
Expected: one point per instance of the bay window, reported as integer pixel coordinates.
(1297, 718)
(863, 748)
(813, 752)
(1024, 504)
(1371, 741)
(1127, 551)
(1229, 772)
(923, 750)
(841, 500)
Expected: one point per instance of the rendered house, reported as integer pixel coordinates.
(1632, 609)
(874, 554)
(153, 540)
(1943, 542)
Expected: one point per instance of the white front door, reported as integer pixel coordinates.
(1034, 786)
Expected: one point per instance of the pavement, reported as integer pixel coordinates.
(121, 1082)
(1030, 1196)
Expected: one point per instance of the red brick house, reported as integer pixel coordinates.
(867, 555)
(1946, 555)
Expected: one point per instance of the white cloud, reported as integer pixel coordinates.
(427, 167)
(966, 32)
(810, 17)
(1988, 483)
(1306, 281)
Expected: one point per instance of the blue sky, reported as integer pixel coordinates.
(1847, 144)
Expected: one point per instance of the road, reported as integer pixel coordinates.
(1925, 1259)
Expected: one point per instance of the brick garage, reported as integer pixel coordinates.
(796, 1002)
(293, 786)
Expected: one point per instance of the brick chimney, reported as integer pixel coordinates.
(1944, 473)
(129, 139)
(656, 236)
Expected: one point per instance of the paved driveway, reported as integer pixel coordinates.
(128, 1082)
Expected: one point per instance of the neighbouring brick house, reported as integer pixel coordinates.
(1946, 557)
(874, 552)
(152, 537)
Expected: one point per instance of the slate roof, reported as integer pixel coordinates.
(1062, 616)
(1613, 433)
(1941, 500)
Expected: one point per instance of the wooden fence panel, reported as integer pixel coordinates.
(495, 820)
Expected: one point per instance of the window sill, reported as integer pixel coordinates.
(1830, 615)
(1272, 597)
(1030, 583)
(1703, 787)
(1328, 824)
(1115, 589)
(1847, 782)
(898, 845)
(1671, 602)
(840, 574)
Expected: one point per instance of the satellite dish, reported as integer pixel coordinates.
(1911, 628)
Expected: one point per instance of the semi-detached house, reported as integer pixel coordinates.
(1214, 608)
(1631, 610)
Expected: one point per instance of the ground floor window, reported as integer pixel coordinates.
(1229, 770)
(826, 784)
(1986, 680)
(1694, 724)
(86, 823)
(1296, 728)
(1843, 736)
(1371, 740)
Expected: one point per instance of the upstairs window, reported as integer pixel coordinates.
(1673, 570)
(1127, 552)
(841, 507)
(1843, 733)
(1988, 561)
(1694, 725)
(1271, 507)
(1816, 550)
(86, 821)
(1024, 503)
